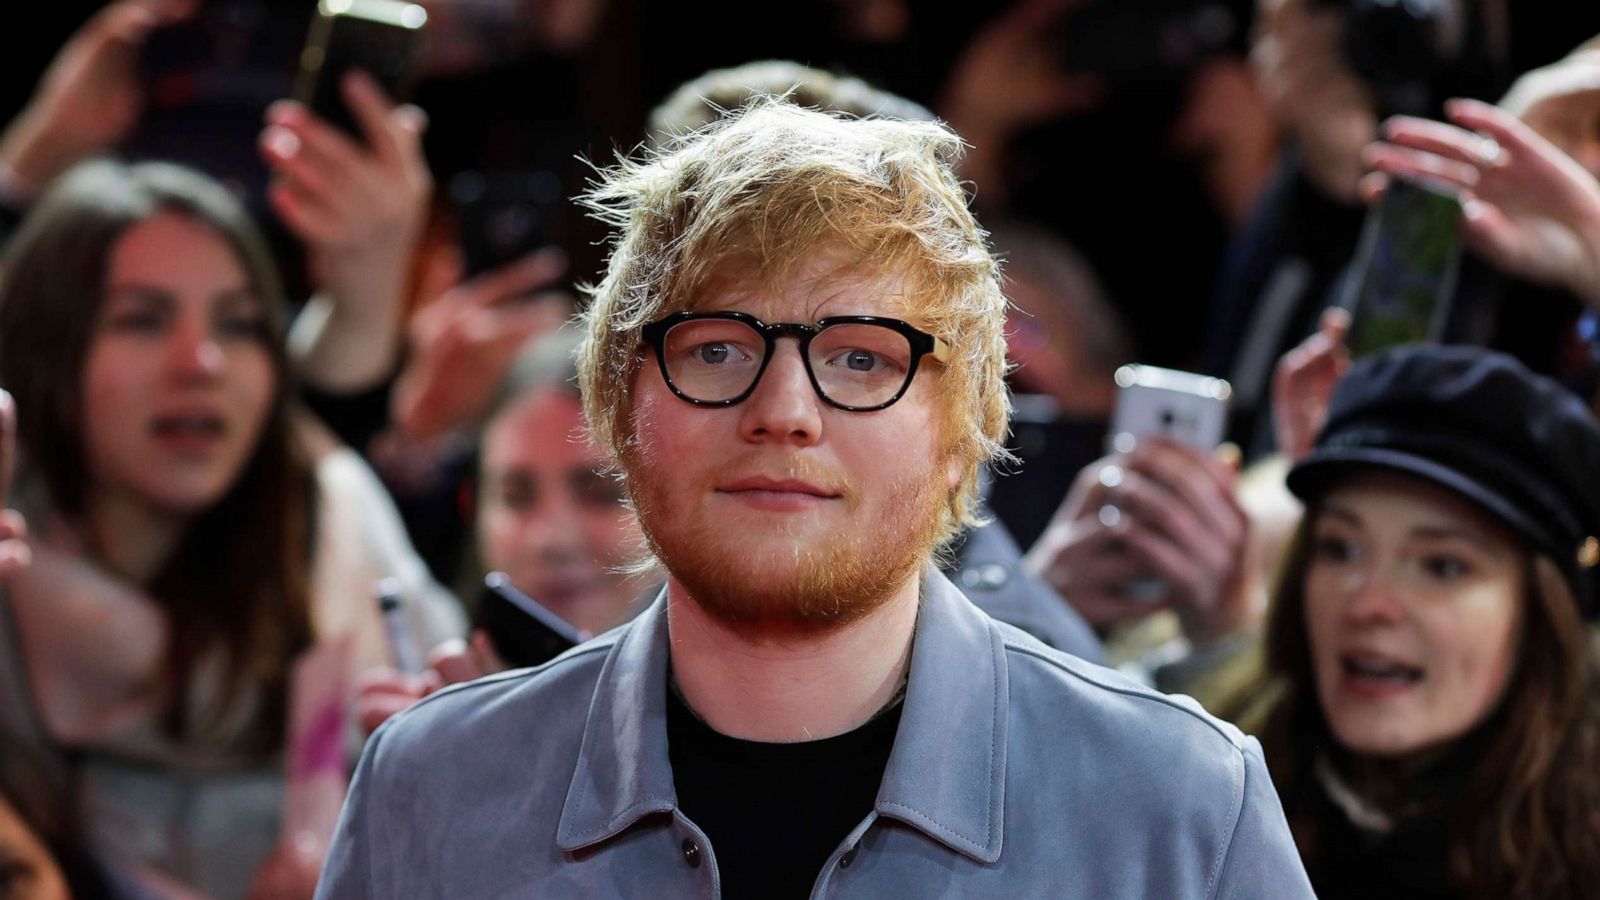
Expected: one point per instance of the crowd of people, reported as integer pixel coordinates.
(278, 399)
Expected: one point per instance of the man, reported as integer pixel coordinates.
(797, 358)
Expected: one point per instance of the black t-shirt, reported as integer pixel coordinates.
(774, 813)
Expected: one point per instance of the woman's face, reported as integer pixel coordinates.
(179, 378)
(1414, 601)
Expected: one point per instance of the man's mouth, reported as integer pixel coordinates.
(777, 494)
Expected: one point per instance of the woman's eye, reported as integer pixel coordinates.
(243, 326)
(139, 322)
(1333, 549)
(1445, 567)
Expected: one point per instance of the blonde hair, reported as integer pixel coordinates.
(769, 186)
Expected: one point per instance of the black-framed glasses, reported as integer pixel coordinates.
(855, 363)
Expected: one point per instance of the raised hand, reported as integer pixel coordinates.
(1528, 208)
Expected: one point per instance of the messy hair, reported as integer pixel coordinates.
(768, 187)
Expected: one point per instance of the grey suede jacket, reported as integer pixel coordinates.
(1018, 771)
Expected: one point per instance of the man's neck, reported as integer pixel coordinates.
(790, 688)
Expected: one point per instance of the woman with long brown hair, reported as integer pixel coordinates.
(1435, 723)
(181, 516)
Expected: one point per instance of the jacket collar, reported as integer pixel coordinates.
(948, 782)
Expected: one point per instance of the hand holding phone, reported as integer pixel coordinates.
(1157, 527)
(1404, 275)
(378, 37)
(522, 631)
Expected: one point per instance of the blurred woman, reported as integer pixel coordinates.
(183, 558)
(1435, 727)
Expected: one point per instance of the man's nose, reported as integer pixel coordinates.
(784, 407)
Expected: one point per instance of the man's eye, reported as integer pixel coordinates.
(861, 360)
(715, 353)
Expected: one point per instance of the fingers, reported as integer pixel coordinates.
(304, 213)
(318, 146)
(393, 133)
(534, 272)
(383, 692)
(1512, 135)
(456, 662)
(1395, 160)
(1442, 139)
(1204, 485)
(8, 444)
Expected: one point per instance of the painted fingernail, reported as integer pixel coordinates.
(1110, 516)
(281, 142)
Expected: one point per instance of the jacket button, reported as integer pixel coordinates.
(691, 854)
(849, 857)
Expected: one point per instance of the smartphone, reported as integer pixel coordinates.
(1404, 276)
(1151, 401)
(1155, 402)
(524, 633)
(1136, 43)
(504, 216)
(380, 37)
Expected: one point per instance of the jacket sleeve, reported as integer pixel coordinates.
(1262, 860)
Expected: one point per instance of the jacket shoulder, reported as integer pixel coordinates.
(496, 712)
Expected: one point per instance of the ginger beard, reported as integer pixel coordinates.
(811, 583)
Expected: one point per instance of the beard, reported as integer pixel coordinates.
(809, 583)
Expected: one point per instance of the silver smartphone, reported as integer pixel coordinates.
(1151, 401)
(1155, 402)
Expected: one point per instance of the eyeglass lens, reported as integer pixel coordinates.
(854, 364)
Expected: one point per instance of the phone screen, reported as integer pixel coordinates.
(1406, 267)
(504, 215)
(523, 632)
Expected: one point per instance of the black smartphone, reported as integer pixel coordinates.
(523, 632)
(1133, 43)
(504, 216)
(1404, 276)
(380, 37)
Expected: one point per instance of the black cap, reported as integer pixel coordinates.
(1478, 423)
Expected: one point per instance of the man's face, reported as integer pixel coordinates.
(782, 512)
